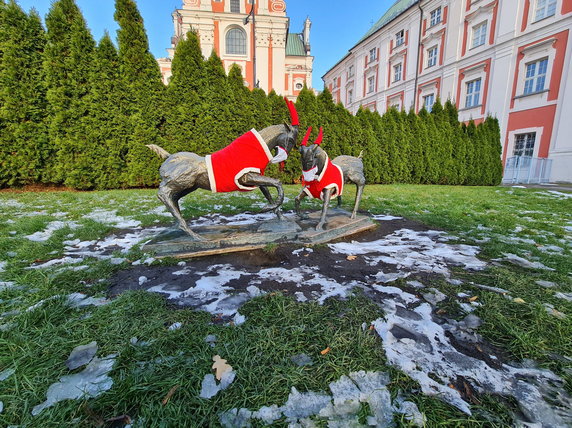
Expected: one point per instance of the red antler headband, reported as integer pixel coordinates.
(320, 136)
(293, 112)
(306, 137)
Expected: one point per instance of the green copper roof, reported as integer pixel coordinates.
(393, 12)
(295, 45)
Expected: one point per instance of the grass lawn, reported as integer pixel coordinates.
(505, 223)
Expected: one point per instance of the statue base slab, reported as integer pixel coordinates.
(222, 239)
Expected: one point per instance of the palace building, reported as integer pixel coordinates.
(255, 35)
(509, 59)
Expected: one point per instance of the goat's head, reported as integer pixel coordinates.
(310, 155)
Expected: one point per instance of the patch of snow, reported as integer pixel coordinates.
(5, 374)
(239, 319)
(420, 347)
(384, 217)
(209, 386)
(81, 355)
(414, 251)
(565, 296)
(90, 383)
(559, 195)
(175, 326)
(522, 262)
(76, 251)
(111, 218)
(546, 284)
(47, 233)
(143, 280)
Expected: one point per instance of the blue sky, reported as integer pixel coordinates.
(336, 25)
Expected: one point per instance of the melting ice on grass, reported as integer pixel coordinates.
(340, 409)
(112, 219)
(89, 383)
(47, 233)
(213, 292)
(76, 251)
(417, 345)
(414, 251)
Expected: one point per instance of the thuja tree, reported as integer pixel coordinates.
(144, 95)
(107, 130)
(23, 139)
(68, 62)
(182, 98)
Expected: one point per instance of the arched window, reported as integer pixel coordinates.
(236, 41)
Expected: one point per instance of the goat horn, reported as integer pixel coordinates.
(293, 112)
(320, 136)
(306, 137)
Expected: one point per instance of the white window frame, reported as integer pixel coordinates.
(395, 101)
(397, 72)
(435, 17)
(526, 147)
(226, 42)
(536, 77)
(479, 36)
(351, 71)
(432, 54)
(350, 96)
(399, 38)
(372, 54)
(512, 139)
(231, 6)
(370, 84)
(430, 96)
(473, 90)
(545, 9)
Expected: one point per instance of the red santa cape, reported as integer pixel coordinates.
(248, 153)
(331, 177)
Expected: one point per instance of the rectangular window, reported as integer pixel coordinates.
(473, 93)
(397, 72)
(479, 34)
(435, 17)
(535, 76)
(351, 71)
(372, 54)
(432, 56)
(524, 144)
(545, 9)
(428, 102)
(235, 6)
(399, 39)
(371, 84)
(350, 96)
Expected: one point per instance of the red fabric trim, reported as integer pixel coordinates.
(246, 152)
(332, 176)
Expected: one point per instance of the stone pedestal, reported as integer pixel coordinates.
(221, 239)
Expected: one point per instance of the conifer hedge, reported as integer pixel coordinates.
(78, 113)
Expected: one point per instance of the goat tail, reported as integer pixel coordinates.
(159, 151)
(359, 157)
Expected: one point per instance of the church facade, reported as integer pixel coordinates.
(255, 35)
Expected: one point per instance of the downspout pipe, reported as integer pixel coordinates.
(418, 55)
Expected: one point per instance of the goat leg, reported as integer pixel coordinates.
(327, 193)
(300, 196)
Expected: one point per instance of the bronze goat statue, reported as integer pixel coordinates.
(239, 166)
(324, 178)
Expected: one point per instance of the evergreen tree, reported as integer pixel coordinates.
(241, 104)
(431, 151)
(472, 155)
(144, 95)
(68, 63)
(23, 137)
(459, 148)
(182, 99)
(107, 133)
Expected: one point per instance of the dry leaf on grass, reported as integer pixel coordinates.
(325, 351)
(472, 299)
(169, 395)
(220, 366)
(518, 300)
(350, 258)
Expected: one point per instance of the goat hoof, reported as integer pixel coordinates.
(353, 216)
(320, 226)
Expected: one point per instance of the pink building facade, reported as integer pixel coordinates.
(505, 58)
